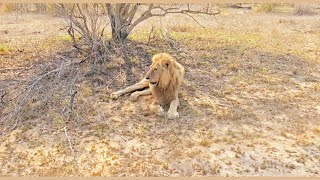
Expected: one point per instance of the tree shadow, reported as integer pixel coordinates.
(228, 86)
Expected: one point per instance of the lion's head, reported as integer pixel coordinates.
(165, 73)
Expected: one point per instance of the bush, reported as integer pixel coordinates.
(51, 9)
(4, 49)
(268, 7)
(304, 9)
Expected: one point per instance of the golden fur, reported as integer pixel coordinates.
(170, 77)
(162, 80)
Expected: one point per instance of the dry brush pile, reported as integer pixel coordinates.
(54, 88)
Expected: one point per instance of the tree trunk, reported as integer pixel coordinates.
(119, 25)
(119, 30)
(121, 17)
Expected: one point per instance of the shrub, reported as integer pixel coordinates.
(304, 9)
(268, 7)
(4, 49)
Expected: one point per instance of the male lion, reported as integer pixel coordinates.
(163, 81)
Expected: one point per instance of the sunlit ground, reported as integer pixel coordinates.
(249, 102)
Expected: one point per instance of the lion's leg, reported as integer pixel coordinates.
(134, 96)
(140, 85)
(155, 107)
(172, 112)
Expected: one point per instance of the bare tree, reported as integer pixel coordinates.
(87, 23)
(124, 17)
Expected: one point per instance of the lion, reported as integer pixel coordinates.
(162, 81)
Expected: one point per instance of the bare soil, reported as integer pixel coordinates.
(249, 102)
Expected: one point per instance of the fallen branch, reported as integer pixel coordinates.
(27, 68)
(28, 89)
(69, 141)
(113, 79)
(73, 94)
(2, 97)
(11, 69)
(24, 99)
(71, 148)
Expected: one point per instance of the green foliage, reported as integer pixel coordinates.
(134, 60)
(140, 36)
(5, 49)
(65, 38)
(267, 7)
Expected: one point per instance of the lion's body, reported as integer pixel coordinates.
(163, 81)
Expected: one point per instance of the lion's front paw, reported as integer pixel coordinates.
(158, 109)
(114, 95)
(173, 115)
(134, 97)
(161, 111)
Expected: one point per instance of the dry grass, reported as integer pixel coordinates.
(266, 8)
(249, 103)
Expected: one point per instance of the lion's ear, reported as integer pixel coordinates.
(166, 63)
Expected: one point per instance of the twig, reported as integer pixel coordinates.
(31, 87)
(151, 31)
(194, 19)
(11, 69)
(27, 68)
(64, 28)
(71, 148)
(2, 96)
(113, 79)
(69, 141)
(73, 94)
(102, 32)
(24, 99)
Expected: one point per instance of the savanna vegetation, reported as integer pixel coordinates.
(249, 103)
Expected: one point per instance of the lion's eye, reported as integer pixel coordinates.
(155, 69)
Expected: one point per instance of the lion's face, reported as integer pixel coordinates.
(159, 71)
(155, 73)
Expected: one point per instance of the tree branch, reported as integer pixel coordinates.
(147, 14)
(172, 10)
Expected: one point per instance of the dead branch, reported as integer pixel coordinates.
(194, 20)
(26, 68)
(2, 96)
(171, 10)
(24, 99)
(29, 89)
(114, 79)
(85, 19)
(73, 94)
(69, 142)
(150, 34)
(11, 69)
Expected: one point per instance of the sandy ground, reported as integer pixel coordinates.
(249, 104)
